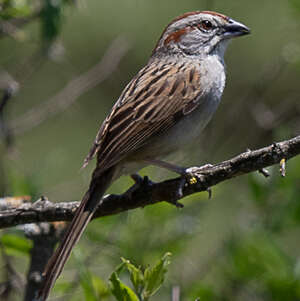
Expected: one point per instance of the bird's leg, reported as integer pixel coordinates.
(169, 166)
(190, 172)
(188, 175)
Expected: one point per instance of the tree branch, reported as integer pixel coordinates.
(142, 194)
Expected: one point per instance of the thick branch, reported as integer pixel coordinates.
(140, 195)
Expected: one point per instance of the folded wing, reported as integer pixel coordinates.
(154, 101)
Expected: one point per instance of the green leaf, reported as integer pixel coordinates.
(15, 244)
(136, 276)
(121, 291)
(154, 277)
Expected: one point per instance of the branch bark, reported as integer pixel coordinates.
(145, 193)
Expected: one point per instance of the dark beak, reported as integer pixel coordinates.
(235, 29)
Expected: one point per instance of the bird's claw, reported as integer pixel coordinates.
(191, 176)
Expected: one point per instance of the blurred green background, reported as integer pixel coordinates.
(243, 244)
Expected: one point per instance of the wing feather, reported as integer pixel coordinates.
(155, 100)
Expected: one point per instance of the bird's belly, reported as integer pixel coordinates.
(185, 132)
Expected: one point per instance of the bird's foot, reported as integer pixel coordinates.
(192, 176)
(189, 176)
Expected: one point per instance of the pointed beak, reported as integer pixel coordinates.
(235, 29)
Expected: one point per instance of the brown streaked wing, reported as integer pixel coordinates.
(124, 97)
(155, 100)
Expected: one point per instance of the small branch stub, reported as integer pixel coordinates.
(264, 172)
(282, 167)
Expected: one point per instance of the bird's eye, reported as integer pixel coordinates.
(206, 25)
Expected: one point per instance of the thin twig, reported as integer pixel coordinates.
(147, 192)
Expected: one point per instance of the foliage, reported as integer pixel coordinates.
(146, 283)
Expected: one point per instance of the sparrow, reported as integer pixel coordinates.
(163, 108)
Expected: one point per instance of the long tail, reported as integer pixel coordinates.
(83, 215)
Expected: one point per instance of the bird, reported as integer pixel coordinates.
(165, 106)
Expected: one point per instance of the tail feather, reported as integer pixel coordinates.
(83, 215)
